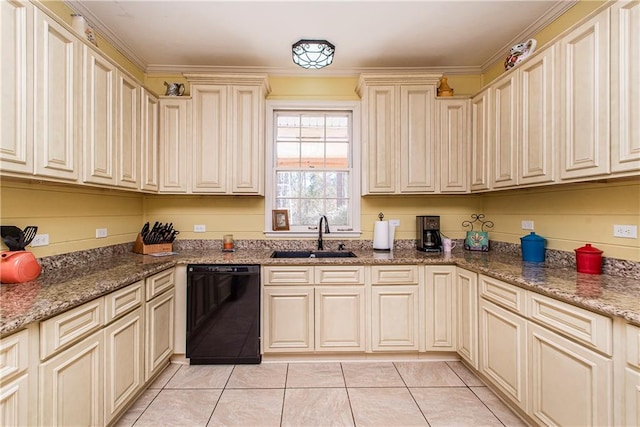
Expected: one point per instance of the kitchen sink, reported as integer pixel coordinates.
(312, 254)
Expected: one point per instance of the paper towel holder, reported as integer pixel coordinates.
(381, 234)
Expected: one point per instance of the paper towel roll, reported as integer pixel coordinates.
(381, 236)
(392, 235)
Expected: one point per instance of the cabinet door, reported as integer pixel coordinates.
(538, 118)
(570, 385)
(99, 120)
(625, 86)
(289, 319)
(585, 99)
(453, 134)
(175, 134)
(503, 351)
(14, 402)
(246, 140)
(380, 149)
(631, 397)
(504, 132)
(339, 318)
(72, 385)
(150, 115)
(480, 141)
(467, 309)
(124, 362)
(127, 131)
(209, 171)
(441, 315)
(16, 105)
(57, 99)
(418, 168)
(394, 317)
(159, 324)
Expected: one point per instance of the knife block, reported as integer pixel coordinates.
(140, 248)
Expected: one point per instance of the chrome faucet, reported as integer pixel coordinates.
(326, 230)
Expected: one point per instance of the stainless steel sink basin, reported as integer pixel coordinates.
(312, 254)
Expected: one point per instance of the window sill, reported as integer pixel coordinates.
(313, 234)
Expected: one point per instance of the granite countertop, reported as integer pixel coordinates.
(61, 289)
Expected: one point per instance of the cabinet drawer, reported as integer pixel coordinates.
(67, 328)
(505, 295)
(329, 275)
(158, 283)
(394, 274)
(14, 355)
(633, 346)
(122, 301)
(288, 275)
(584, 326)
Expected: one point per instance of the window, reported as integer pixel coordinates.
(313, 166)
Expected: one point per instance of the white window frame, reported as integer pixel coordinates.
(269, 204)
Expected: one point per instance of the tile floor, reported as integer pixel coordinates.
(408, 393)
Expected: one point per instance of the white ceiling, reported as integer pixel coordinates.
(451, 36)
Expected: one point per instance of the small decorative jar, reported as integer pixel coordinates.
(589, 259)
(532, 248)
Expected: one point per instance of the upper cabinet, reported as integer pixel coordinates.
(228, 123)
(175, 143)
(625, 86)
(503, 129)
(398, 133)
(16, 105)
(585, 99)
(149, 143)
(454, 140)
(480, 141)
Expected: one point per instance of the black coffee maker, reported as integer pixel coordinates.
(428, 237)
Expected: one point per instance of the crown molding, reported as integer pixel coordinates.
(115, 41)
(547, 18)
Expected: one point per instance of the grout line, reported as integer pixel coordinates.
(353, 417)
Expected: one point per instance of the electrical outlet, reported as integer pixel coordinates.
(40, 240)
(626, 231)
(101, 233)
(527, 225)
(199, 228)
(394, 222)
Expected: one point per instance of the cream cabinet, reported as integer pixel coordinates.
(309, 309)
(454, 141)
(625, 86)
(159, 320)
(149, 140)
(228, 133)
(480, 141)
(570, 385)
(16, 105)
(175, 143)
(503, 131)
(395, 307)
(128, 135)
(585, 99)
(538, 118)
(398, 130)
(440, 308)
(631, 404)
(99, 118)
(466, 283)
(14, 380)
(58, 96)
(71, 385)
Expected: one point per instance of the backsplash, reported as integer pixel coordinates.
(554, 258)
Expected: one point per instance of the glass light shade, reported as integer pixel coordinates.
(313, 53)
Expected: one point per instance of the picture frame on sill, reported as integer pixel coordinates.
(280, 220)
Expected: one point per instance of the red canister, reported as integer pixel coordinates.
(589, 259)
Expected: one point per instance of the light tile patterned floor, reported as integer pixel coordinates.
(408, 393)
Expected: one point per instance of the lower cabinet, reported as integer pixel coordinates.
(503, 351)
(467, 315)
(570, 385)
(440, 312)
(288, 314)
(14, 402)
(632, 397)
(15, 378)
(339, 318)
(159, 321)
(72, 385)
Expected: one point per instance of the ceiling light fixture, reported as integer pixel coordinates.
(313, 53)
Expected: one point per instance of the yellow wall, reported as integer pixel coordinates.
(71, 214)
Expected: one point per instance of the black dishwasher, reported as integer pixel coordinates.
(223, 314)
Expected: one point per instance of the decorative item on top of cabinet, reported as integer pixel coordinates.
(443, 88)
(477, 240)
(519, 53)
(399, 149)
